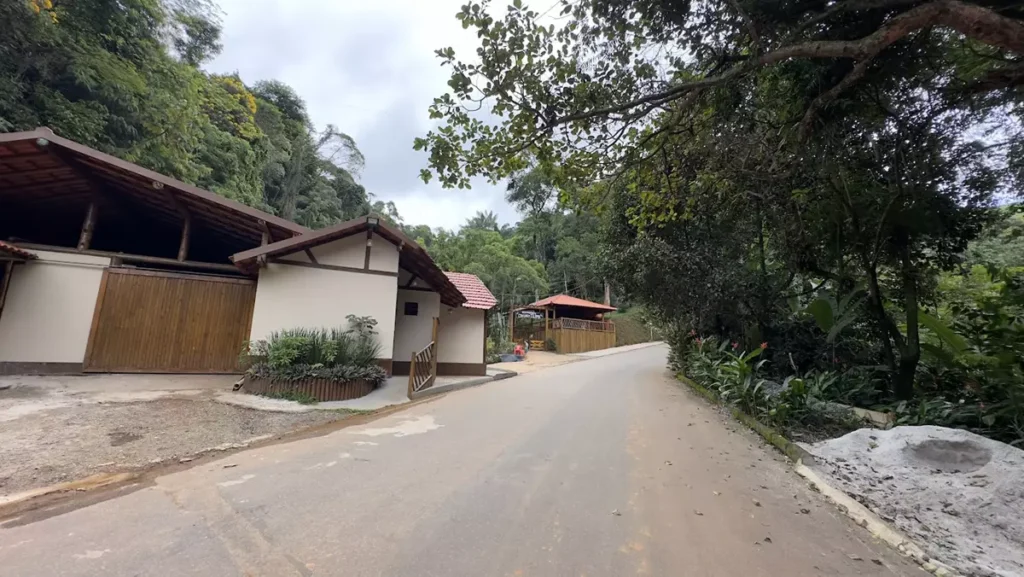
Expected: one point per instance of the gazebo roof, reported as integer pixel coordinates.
(568, 301)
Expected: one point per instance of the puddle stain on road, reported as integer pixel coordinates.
(416, 426)
(234, 482)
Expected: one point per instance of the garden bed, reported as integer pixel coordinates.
(321, 390)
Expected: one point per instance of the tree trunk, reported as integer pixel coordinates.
(910, 352)
(881, 318)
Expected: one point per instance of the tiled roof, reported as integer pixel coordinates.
(10, 249)
(477, 295)
(568, 301)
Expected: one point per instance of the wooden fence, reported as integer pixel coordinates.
(320, 389)
(569, 341)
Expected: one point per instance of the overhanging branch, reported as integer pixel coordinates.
(973, 21)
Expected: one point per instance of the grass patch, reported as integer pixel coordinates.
(354, 411)
(297, 396)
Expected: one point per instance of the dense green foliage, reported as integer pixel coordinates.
(820, 177)
(634, 326)
(123, 77)
(554, 248)
(809, 402)
(336, 354)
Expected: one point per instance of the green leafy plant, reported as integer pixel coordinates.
(335, 354)
(833, 316)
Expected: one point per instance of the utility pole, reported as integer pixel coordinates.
(607, 294)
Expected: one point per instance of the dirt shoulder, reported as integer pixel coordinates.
(67, 441)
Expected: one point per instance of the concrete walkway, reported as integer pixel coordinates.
(394, 392)
(604, 468)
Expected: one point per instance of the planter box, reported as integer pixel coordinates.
(322, 390)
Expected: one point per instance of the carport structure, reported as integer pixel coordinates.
(131, 269)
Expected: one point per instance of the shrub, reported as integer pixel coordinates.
(334, 354)
(738, 378)
(496, 349)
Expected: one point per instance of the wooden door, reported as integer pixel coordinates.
(162, 322)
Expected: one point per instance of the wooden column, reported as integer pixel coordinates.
(5, 284)
(546, 337)
(261, 261)
(369, 246)
(186, 234)
(88, 226)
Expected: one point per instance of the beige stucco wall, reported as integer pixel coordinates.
(351, 252)
(49, 308)
(290, 297)
(461, 336)
(383, 255)
(404, 276)
(414, 333)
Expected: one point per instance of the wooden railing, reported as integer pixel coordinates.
(582, 325)
(423, 368)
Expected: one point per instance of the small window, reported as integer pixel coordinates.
(412, 309)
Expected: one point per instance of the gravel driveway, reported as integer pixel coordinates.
(55, 438)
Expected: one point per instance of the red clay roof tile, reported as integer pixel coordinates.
(15, 251)
(476, 293)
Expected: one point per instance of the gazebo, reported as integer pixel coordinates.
(572, 324)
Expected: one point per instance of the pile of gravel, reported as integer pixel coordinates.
(958, 495)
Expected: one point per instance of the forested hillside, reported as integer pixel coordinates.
(125, 78)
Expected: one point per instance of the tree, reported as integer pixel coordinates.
(583, 90)
(836, 145)
(1002, 242)
(513, 279)
(483, 221)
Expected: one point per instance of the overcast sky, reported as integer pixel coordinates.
(368, 68)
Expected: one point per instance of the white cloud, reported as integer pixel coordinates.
(370, 69)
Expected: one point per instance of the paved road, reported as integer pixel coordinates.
(596, 468)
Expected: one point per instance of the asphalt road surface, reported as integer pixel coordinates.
(603, 467)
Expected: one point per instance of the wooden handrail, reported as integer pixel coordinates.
(423, 367)
(583, 325)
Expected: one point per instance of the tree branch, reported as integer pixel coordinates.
(749, 23)
(827, 97)
(973, 21)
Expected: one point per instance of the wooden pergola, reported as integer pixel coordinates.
(574, 325)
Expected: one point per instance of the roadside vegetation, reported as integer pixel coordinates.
(835, 181)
